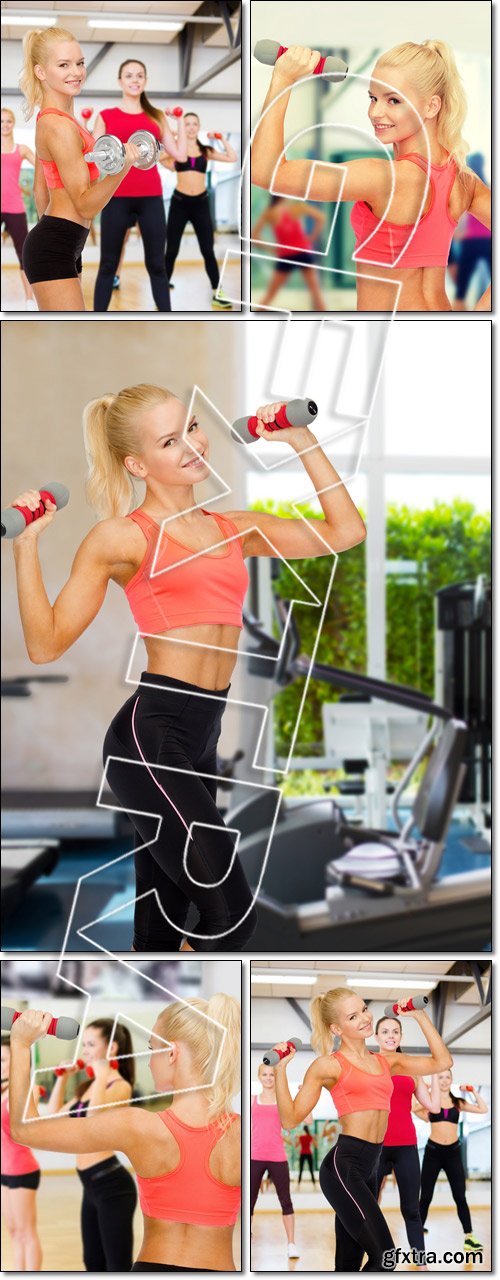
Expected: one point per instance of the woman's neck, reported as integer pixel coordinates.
(163, 503)
(8, 144)
(191, 1107)
(423, 143)
(354, 1049)
(60, 101)
(268, 1096)
(132, 106)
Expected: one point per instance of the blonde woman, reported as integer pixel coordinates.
(67, 190)
(360, 1084)
(109, 1194)
(268, 1153)
(20, 1179)
(13, 215)
(187, 1159)
(417, 106)
(171, 724)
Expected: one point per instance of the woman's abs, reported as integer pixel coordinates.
(207, 659)
(444, 1134)
(368, 1125)
(191, 184)
(184, 1245)
(422, 289)
(61, 206)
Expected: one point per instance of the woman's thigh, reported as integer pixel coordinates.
(59, 295)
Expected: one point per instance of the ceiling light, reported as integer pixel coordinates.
(11, 20)
(288, 981)
(390, 981)
(119, 24)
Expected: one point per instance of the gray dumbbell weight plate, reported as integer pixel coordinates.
(148, 146)
(108, 154)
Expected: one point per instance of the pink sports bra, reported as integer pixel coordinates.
(432, 234)
(190, 1193)
(184, 587)
(50, 170)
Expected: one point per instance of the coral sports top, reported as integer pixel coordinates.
(191, 1193)
(401, 1130)
(184, 587)
(433, 233)
(358, 1090)
(50, 170)
(16, 1160)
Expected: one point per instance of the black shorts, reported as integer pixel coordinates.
(29, 1181)
(53, 250)
(162, 1266)
(300, 259)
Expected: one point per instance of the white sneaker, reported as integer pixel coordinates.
(293, 1252)
(30, 305)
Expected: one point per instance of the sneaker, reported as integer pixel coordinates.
(293, 1252)
(30, 305)
(170, 285)
(221, 304)
(472, 1242)
(116, 282)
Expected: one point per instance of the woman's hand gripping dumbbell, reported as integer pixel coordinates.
(110, 154)
(70, 1068)
(406, 1005)
(272, 1056)
(268, 52)
(296, 413)
(35, 505)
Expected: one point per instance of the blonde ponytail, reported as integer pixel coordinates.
(111, 431)
(433, 67)
(323, 1012)
(214, 1040)
(35, 48)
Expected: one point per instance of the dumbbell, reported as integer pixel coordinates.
(14, 519)
(268, 52)
(415, 1002)
(216, 135)
(297, 413)
(466, 1088)
(42, 1091)
(109, 152)
(87, 112)
(89, 1071)
(63, 1028)
(174, 111)
(272, 1056)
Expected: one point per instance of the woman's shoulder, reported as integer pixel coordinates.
(109, 538)
(327, 1067)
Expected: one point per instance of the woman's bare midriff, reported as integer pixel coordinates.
(443, 1133)
(183, 1245)
(368, 1125)
(191, 183)
(89, 1159)
(61, 206)
(204, 655)
(422, 289)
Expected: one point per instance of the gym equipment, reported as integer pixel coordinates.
(22, 864)
(109, 152)
(63, 1028)
(174, 111)
(415, 1002)
(272, 1056)
(89, 1071)
(215, 135)
(14, 519)
(297, 413)
(268, 52)
(328, 885)
(463, 682)
(466, 1088)
(87, 112)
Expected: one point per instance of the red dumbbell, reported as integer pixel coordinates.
(216, 135)
(272, 1056)
(42, 1091)
(61, 1071)
(89, 1071)
(466, 1088)
(174, 111)
(415, 1002)
(87, 112)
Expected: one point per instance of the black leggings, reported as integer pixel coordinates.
(348, 1179)
(108, 1206)
(118, 215)
(168, 733)
(279, 1173)
(473, 251)
(305, 1159)
(162, 1266)
(53, 250)
(406, 1165)
(16, 226)
(437, 1157)
(196, 210)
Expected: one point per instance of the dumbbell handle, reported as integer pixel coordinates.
(272, 1056)
(63, 1028)
(297, 413)
(14, 519)
(89, 1071)
(466, 1088)
(415, 1002)
(268, 52)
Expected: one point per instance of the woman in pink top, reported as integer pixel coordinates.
(268, 1153)
(139, 197)
(20, 1179)
(13, 215)
(417, 106)
(294, 249)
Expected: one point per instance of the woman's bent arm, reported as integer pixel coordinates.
(293, 1111)
(65, 147)
(49, 630)
(421, 1065)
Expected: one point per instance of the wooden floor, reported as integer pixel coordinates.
(58, 1207)
(315, 1234)
(192, 290)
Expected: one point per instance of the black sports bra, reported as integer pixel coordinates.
(451, 1114)
(80, 1106)
(193, 164)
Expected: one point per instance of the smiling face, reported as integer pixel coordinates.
(353, 1019)
(7, 124)
(266, 1077)
(192, 126)
(445, 1079)
(170, 455)
(393, 118)
(95, 1045)
(64, 69)
(389, 1035)
(132, 79)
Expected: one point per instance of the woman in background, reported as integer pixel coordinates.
(444, 1151)
(20, 1179)
(190, 203)
(13, 215)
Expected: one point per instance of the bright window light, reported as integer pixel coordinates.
(288, 981)
(118, 24)
(11, 20)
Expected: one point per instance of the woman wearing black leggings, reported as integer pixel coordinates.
(109, 1192)
(400, 1152)
(361, 1089)
(139, 198)
(189, 202)
(183, 571)
(444, 1152)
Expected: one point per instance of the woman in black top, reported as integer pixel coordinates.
(443, 1151)
(189, 201)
